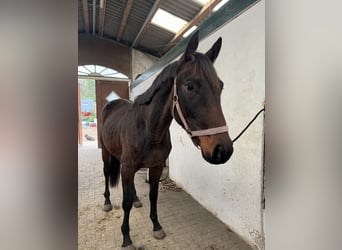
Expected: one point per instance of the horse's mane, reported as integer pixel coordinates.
(146, 98)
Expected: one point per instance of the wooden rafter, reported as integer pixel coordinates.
(85, 15)
(102, 16)
(124, 20)
(206, 9)
(146, 23)
(94, 17)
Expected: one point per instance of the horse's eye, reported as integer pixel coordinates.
(190, 86)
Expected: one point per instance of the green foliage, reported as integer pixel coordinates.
(89, 118)
(87, 89)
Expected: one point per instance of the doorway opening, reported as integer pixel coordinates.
(97, 85)
(88, 109)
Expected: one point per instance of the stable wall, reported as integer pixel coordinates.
(232, 191)
(98, 51)
(141, 62)
(93, 50)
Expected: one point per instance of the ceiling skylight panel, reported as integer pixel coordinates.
(217, 7)
(168, 21)
(189, 31)
(202, 2)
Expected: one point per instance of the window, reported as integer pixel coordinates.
(99, 71)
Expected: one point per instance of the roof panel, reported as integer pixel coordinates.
(139, 12)
(113, 15)
(155, 38)
(186, 10)
(90, 13)
(81, 27)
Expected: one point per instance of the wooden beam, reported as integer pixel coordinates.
(85, 15)
(124, 20)
(94, 17)
(146, 23)
(102, 16)
(206, 10)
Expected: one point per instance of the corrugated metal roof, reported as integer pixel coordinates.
(113, 15)
(183, 9)
(90, 11)
(136, 18)
(153, 38)
(81, 27)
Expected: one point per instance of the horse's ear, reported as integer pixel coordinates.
(215, 50)
(191, 48)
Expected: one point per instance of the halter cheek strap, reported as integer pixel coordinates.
(203, 132)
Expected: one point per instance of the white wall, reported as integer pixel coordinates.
(141, 62)
(231, 191)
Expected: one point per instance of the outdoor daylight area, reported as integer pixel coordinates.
(88, 109)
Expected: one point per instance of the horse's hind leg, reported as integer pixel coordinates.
(106, 157)
(127, 179)
(107, 205)
(154, 176)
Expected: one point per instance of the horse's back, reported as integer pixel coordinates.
(115, 108)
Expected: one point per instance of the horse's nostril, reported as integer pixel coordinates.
(218, 151)
(221, 155)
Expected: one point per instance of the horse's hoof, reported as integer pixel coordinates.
(160, 234)
(129, 247)
(107, 207)
(137, 204)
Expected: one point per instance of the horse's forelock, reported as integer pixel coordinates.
(206, 67)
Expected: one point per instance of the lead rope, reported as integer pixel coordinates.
(210, 131)
(249, 124)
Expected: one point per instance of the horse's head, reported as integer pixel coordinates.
(197, 105)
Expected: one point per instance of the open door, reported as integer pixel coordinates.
(103, 88)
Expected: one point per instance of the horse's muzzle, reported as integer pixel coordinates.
(220, 154)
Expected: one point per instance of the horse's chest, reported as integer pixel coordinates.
(152, 156)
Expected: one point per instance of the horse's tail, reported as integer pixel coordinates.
(114, 171)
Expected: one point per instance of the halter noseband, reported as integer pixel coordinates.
(210, 131)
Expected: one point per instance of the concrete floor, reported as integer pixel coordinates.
(187, 224)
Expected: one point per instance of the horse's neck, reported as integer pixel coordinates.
(159, 115)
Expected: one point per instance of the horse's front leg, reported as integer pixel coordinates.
(154, 176)
(136, 201)
(127, 178)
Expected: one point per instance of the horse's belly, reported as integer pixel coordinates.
(156, 156)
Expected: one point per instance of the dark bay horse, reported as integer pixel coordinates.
(136, 135)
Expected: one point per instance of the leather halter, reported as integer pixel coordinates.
(202, 132)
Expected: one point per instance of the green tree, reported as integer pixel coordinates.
(87, 89)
